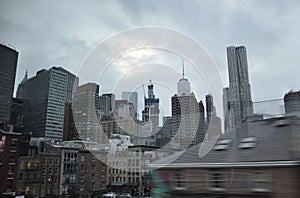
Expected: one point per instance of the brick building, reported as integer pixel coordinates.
(12, 146)
(260, 159)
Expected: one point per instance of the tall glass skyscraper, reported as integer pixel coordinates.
(86, 112)
(8, 66)
(188, 120)
(239, 105)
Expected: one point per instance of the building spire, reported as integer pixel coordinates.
(25, 77)
(182, 68)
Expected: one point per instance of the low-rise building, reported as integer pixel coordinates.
(12, 146)
(260, 159)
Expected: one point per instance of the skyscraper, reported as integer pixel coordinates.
(185, 128)
(8, 66)
(183, 85)
(226, 108)
(240, 102)
(201, 131)
(210, 108)
(44, 97)
(151, 109)
(104, 105)
(111, 105)
(185, 119)
(132, 97)
(86, 112)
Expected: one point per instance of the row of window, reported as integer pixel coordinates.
(49, 171)
(50, 161)
(123, 179)
(258, 181)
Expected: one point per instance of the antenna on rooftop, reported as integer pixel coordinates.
(182, 60)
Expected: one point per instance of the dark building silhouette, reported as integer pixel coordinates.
(8, 66)
(44, 97)
(70, 131)
(201, 126)
(210, 109)
(16, 114)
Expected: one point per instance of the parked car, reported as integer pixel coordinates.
(125, 195)
(110, 194)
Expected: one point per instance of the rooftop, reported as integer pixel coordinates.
(264, 142)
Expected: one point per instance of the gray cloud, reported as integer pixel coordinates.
(49, 33)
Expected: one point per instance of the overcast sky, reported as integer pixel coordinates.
(63, 33)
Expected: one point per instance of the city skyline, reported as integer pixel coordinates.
(149, 99)
(69, 49)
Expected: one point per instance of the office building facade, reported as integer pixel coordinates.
(151, 110)
(86, 112)
(8, 66)
(44, 97)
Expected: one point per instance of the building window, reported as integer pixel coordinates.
(28, 165)
(21, 176)
(44, 161)
(35, 176)
(50, 161)
(13, 143)
(55, 180)
(27, 176)
(179, 181)
(49, 181)
(259, 181)
(12, 156)
(55, 190)
(22, 165)
(11, 169)
(72, 179)
(56, 161)
(216, 180)
(43, 180)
